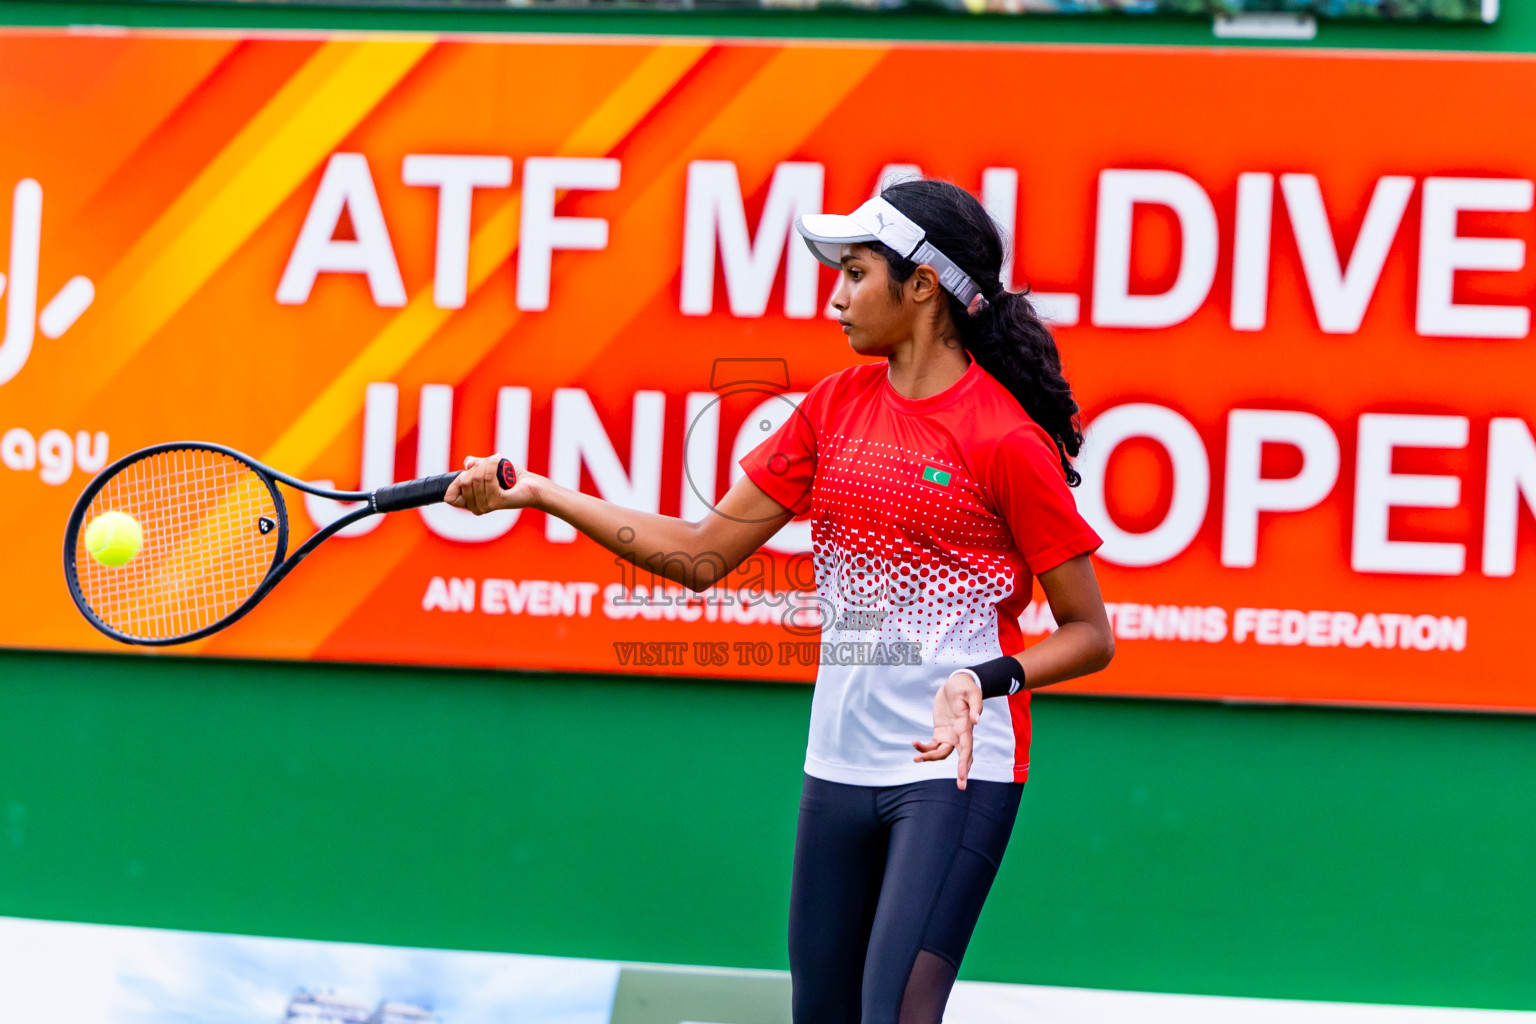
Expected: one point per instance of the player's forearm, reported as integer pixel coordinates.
(664, 545)
(1074, 649)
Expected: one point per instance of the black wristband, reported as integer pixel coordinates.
(1000, 677)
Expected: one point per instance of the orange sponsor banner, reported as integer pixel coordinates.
(1291, 291)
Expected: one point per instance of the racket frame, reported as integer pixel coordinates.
(275, 572)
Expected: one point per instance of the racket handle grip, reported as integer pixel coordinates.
(429, 490)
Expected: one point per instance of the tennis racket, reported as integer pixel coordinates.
(215, 538)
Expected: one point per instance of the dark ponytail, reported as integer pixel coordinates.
(1002, 332)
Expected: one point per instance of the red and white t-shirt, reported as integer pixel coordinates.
(930, 518)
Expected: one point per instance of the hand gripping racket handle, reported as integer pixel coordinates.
(430, 490)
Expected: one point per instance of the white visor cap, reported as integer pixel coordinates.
(879, 221)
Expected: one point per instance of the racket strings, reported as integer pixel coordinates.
(204, 552)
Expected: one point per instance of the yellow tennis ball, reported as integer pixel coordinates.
(114, 538)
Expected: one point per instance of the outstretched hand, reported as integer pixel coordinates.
(956, 710)
(477, 489)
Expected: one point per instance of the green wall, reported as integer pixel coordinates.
(1515, 30)
(1293, 852)
(1188, 847)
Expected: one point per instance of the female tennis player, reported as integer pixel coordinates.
(937, 481)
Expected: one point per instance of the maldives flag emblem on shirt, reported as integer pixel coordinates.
(933, 475)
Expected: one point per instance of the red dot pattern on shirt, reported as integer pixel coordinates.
(933, 559)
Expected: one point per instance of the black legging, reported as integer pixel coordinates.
(888, 883)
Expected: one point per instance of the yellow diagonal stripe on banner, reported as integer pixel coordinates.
(314, 430)
(236, 193)
(760, 100)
